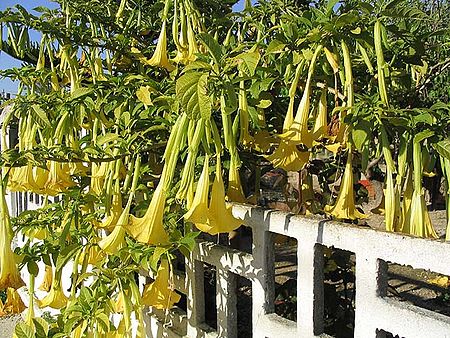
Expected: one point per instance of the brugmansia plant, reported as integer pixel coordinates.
(140, 122)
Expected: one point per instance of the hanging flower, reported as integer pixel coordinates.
(149, 228)
(58, 179)
(14, 304)
(420, 222)
(159, 58)
(235, 192)
(115, 210)
(48, 279)
(115, 241)
(9, 273)
(56, 298)
(160, 293)
(288, 157)
(98, 175)
(344, 207)
(22, 179)
(220, 216)
(198, 211)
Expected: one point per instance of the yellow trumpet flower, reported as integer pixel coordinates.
(115, 241)
(391, 202)
(198, 211)
(220, 216)
(22, 179)
(159, 58)
(420, 223)
(235, 192)
(192, 44)
(58, 178)
(48, 279)
(14, 304)
(344, 207)
(149, 228)
(40, 176)
(93, 255)
(56, 298)
(115, 210)
(9, 273)
(320, 127)
(298, 132)
(406, 205)
(288, 157)
(160, 293)
(98, 175)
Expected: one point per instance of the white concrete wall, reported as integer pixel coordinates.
(373, 309)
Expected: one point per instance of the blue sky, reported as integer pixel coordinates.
(7, 62)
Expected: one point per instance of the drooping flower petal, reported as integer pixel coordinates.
(149, 228)
(220, 216)
(114, 212)
(56, 298)
(288, 157)
(160, 294)
(48, 279)
(13, 304)
(344, 206)
(235, 192)
(159, 58)
(198, 211)
(115, 241)
(58, 179)
(420, 223)
(9, 273)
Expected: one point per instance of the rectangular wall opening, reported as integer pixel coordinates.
(285, 296)
(210, 291)
(339, 291)
(422, 288)
(244, 307)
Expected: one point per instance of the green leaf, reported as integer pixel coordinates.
(80, 92)
(249, 63)
(423, 135)
(22, 330)
(143, 95)
(41, 114)
(41, 327)
(361, 134)
(189, 240)
(103, 319)
(345, 19)
(159, 251)
(443, 148)
(68, 253)
(33, 268)
(107, 138)
(191, 91)
(425, 117)
(211, 45)
(275, 46)
(197, 65)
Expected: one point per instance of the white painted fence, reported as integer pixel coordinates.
(374, 311)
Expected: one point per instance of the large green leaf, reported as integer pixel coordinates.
(443, 148)
(24, 331)
(249, 62)
(212, 45)
(192, 92)
(41, 114)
